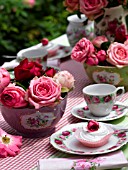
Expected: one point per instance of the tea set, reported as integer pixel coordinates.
(94, 136)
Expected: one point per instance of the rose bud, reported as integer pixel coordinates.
(44, 41)
(92, 60)
(97, 41)
(92, 126)
(101, 55)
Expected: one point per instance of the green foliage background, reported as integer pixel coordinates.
(22, 26)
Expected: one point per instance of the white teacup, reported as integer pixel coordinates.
(100, 98)
(38, 55)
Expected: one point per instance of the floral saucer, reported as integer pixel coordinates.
(63, 51)
(65, 141)
(81, 111)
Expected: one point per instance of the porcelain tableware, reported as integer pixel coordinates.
(65, 141)
(100, 98)
(81, 111)
(39, 55)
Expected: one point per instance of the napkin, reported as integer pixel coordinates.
(10, 65)
(108, 161)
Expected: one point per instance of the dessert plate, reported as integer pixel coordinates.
(80, 111)
(65, 141)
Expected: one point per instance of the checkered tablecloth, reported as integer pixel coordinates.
(34, 149)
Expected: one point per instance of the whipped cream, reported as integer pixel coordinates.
(96, 135)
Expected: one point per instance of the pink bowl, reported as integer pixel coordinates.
(94, 144)
(34, 122)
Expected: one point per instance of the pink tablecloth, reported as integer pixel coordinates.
(34, 149)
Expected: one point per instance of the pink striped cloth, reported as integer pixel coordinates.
(34, 149)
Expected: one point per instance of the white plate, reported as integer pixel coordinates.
(79, 112)
(63, 51)
(65, 141)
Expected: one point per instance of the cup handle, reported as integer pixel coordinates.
(122, 92)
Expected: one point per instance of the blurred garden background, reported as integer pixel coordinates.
(24, 23)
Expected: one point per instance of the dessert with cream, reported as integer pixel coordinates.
(94, 134)
(50, 47)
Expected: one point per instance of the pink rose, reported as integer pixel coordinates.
(71, 5)
(93, 9)
(13, 96)
(97, 41)
(30, 3)
(43, 91)
(92, 126)
(101, 55)
(82, 50)
(117, 54)
(92, 60)
(126, 43)
(4, 78)
(66, 80)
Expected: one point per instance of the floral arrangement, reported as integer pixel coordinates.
(34, 87)
(93, 9)
(100, 51)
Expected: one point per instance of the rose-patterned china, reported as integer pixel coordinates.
(100, 98)
(62, 52)
(33, 123)
(65, 141)
(79, 27)
(81, 111)
(108, 74)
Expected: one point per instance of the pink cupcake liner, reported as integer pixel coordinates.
(94, 144)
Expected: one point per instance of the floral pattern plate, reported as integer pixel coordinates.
(82, 112)
(63, 51)
(65, 141)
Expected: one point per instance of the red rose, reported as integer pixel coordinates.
(50, 72)
(27, 70)
(120, 34)
(92, 126)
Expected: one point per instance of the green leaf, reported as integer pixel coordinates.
(64, 89)
(105, 45)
